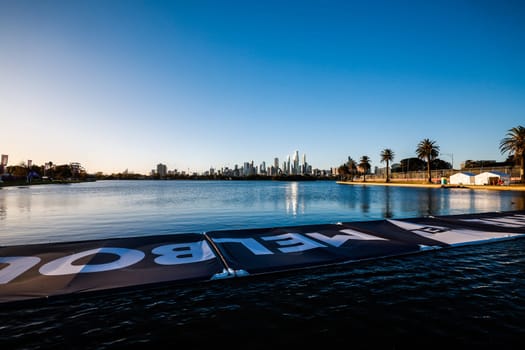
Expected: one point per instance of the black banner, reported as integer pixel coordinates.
(33, 271)
(42, 270)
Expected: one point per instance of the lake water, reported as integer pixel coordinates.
(468, 296)
(105, 209)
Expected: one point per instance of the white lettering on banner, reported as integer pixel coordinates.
(516, 221)
(183, 253)
(339, 240)
(16, 265)
(250, 243)
(64, 265)
(451, 236)
(294, 242)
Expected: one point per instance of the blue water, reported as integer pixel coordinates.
(105, 209)
(470, 297)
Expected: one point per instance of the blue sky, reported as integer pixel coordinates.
(119, 85)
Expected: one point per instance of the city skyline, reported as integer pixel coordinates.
(127, 85)
(291, 166)
(287, 167)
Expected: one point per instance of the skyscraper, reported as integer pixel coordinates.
(295, 169)
(162, 170)
(3, 163)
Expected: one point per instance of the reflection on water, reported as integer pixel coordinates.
(387, 213)
(19, 204)
(480, 200)
(106, 209)
(365, 199)
(432, 200)
(23, 202)
(429, 201)
(3, 211)
(292, 199)
(466, 296)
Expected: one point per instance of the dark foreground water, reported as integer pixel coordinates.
(467, 297)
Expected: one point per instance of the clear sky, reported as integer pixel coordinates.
(193, 84)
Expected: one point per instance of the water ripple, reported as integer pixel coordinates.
(471, 296)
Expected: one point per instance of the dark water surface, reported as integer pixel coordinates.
(468, 297)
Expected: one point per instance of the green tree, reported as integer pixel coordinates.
(427, 150)
(411, 164)
(342, 171)
(63, 172)
(364, 164)
(514, 143)
(352, 168)
(18, 170)
(441, 164)
(348, 169)
(387, 155)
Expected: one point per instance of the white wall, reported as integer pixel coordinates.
(483, 178)
(461, 179)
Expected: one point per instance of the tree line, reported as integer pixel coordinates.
(50, 171)
(427, 152)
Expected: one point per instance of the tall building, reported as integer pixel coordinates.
(305, 168)
(3, 163)
(249, 169)
(262, 168)
(295, 167)
(162, 170)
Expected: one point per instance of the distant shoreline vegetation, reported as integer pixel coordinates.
(21, 175)
(23, 182)
(216, 177)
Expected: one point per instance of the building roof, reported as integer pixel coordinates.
(468, 173)
(498, 173)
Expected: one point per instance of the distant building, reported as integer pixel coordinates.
(76, 169)
(462, 178)
(3, 163)
(162, 170)
(295, 166)
(262, 168)
(492, 178)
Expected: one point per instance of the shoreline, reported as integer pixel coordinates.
(516, 187)
(24, 183)
(512, 187)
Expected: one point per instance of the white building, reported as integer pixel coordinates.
(462, 178)
(492, 178)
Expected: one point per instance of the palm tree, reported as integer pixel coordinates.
(364, 163)
(427, 150)
(387, 155)
(514, 143)
(352, 168)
